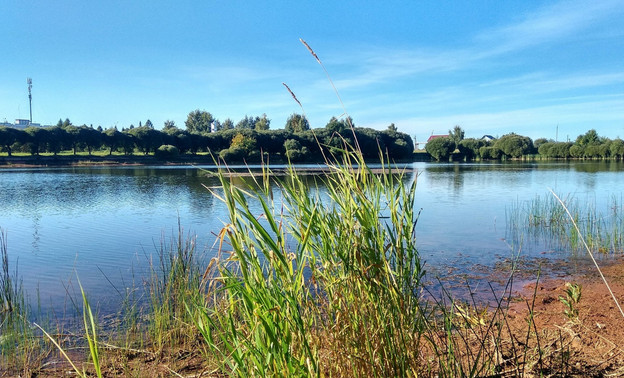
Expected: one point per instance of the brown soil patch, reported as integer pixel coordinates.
(591, 344)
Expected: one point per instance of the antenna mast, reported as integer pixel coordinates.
(29, 82)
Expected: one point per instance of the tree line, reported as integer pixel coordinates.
(513, 146)
(249, 139)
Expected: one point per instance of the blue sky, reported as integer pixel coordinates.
(492, 67)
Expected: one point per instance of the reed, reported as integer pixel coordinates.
(20, 350)
(175, 279)
(545, 219)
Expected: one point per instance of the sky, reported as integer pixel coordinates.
(537, 68)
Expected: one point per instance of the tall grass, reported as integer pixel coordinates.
(318, 277)
(175, 279)
(19, 349)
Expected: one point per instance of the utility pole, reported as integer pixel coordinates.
(29, 82)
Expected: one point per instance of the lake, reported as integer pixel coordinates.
(104, 224)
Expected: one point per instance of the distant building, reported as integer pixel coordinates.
(19, 124)
(487, 138)
(432, 137)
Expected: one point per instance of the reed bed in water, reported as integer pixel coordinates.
(545, 218)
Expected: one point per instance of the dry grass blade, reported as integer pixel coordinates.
(591, 255)
(311, 51)
(292, 94)
(346, 114)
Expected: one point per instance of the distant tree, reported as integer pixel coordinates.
(440, 148)
(146, 139)
(247, 122)
(470, 147)
(228, 124)
(8, 136)
(617, 148)
(90, 138)
(514, 145)
(294, 151)
(199, 121)
(337, 126)
(589, 138)
(169, 125)
(113, 139)
(456, 135)
(559, 150)
(392, 128)
(149, 124)
(244, 142)
(67, 122)
(490, 153)
(55, 138)
(37, 137)
(296, 123)
(262, 123)
(539, 141)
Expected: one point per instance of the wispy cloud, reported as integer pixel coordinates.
(552, 23)
(544, 83)
(557, 23)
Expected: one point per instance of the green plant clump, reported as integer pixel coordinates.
(326, 277)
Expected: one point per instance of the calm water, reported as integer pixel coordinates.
(106, 223)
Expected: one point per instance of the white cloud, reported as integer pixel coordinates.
(556, 22)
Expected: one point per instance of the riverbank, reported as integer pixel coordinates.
(138, 160)
(544, 338)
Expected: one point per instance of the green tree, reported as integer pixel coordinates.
(247, 122)
(199, 121)
(589, 138)
(296, 123)
(228, 124)
(8, 137)
(72, 135)
(146, 139)
(113, 139)
(456, 135)
(338, 126)
(169, 124)
(262, 123)
(470, 147)
(37, 138)
(490, 153)
(90, 137)
(149, 124)
(440, 148)
(243, 142)
(514, 145)
(392, 128)
(56, 137)
(617, 148)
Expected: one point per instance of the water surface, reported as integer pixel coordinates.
(105, 223)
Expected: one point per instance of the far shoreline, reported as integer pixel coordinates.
(71, 161)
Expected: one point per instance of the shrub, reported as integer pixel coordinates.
(232, 154)
(167, 151)
(440, 148)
